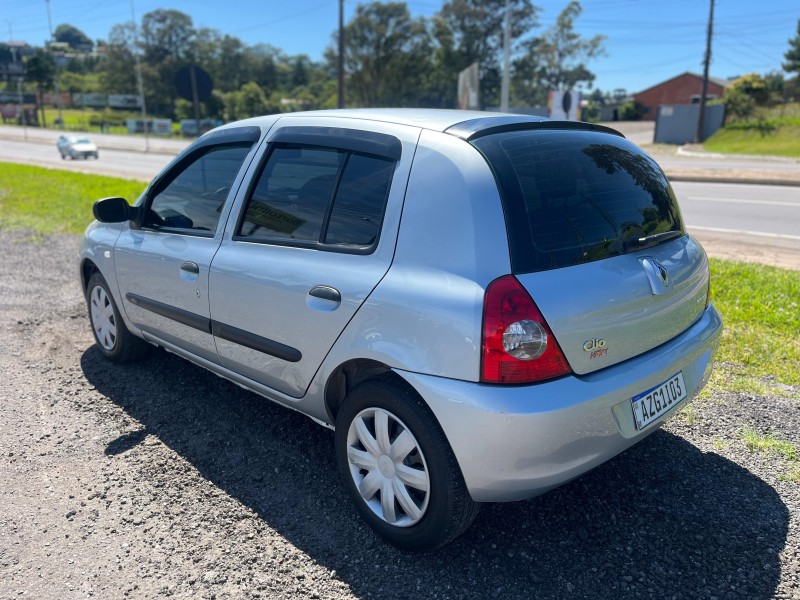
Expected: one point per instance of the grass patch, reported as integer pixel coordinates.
(772, 131)
(49, 201)
(775, 140)
(90, 119)
(688, 413)
(760, 347)
(757, 442)
(769, 444)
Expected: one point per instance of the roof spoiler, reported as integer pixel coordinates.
(476, 128)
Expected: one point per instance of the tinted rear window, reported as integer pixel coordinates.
(577, 196)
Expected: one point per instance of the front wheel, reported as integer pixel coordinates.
(399, 468)
(112, 337)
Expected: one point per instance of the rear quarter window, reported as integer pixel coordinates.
(571, 197)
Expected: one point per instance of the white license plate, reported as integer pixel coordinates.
(653, 403)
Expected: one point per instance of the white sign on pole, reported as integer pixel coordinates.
(565, 106)
(469, 88)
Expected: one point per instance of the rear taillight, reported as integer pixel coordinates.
(518, 346)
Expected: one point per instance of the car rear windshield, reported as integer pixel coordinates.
(572, 197)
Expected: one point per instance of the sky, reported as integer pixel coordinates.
(648, 41)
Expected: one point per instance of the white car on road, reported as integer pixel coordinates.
(76, 147)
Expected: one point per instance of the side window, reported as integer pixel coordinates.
(291, 196)
(194, 199)
(309, 195)
(358, 208)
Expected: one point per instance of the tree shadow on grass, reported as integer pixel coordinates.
(662, 520)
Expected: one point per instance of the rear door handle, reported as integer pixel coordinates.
(325, 292)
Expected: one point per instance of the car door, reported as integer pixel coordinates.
(162, 261)
(315, 234)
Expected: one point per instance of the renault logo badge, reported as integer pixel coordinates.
(657, 274)
(663, 275)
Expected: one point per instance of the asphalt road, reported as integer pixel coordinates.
(750, 210)
(128, 164)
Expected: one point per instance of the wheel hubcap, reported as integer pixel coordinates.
(388, 467)
(103, 321)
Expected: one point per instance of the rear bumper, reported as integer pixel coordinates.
(515, 442)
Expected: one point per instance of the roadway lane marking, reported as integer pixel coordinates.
(760, 202)
(780, 236)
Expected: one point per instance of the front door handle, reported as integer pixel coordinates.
(190, 271)
(190, 267)
(325, 292)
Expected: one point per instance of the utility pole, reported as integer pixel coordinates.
(698, 136)
(341, 55)
(55, 81)
(506, 58)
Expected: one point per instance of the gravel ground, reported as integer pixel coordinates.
(158, 479)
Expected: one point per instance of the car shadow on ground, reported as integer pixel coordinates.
(661, 520)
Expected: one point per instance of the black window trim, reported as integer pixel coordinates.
(355, 140)
(317, 245)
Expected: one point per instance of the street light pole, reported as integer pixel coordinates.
(55, 81)
(340, 103)
(139, 80)
(506, 58)
(20, 98)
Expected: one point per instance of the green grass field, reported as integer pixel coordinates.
(772, 131)
(760, 305)
(51, 201)
(760, 349)
(776, 138)
(92, 120)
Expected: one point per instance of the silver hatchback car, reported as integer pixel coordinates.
(483, 306)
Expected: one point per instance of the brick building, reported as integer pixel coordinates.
(683, 89)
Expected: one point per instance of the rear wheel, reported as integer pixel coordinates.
(399, 468)
(112, 337)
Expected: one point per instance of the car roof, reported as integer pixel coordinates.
(465, 124)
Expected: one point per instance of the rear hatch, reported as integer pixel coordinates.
(597, 239)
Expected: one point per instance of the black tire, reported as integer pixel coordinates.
(113, 339)
(447, 508)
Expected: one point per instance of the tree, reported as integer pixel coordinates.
(556, 59)
(118, 71)
(252, 101)
(792, 55)
(166, 34)
(386, 55)
(167, 43)
(472, 30)
(41, 69)
(477, 27)
(73, 36)
(745, 94)
(249, 101)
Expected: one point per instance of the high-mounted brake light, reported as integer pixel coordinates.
(518, 345)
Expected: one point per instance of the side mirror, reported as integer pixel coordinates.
(113, 210)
